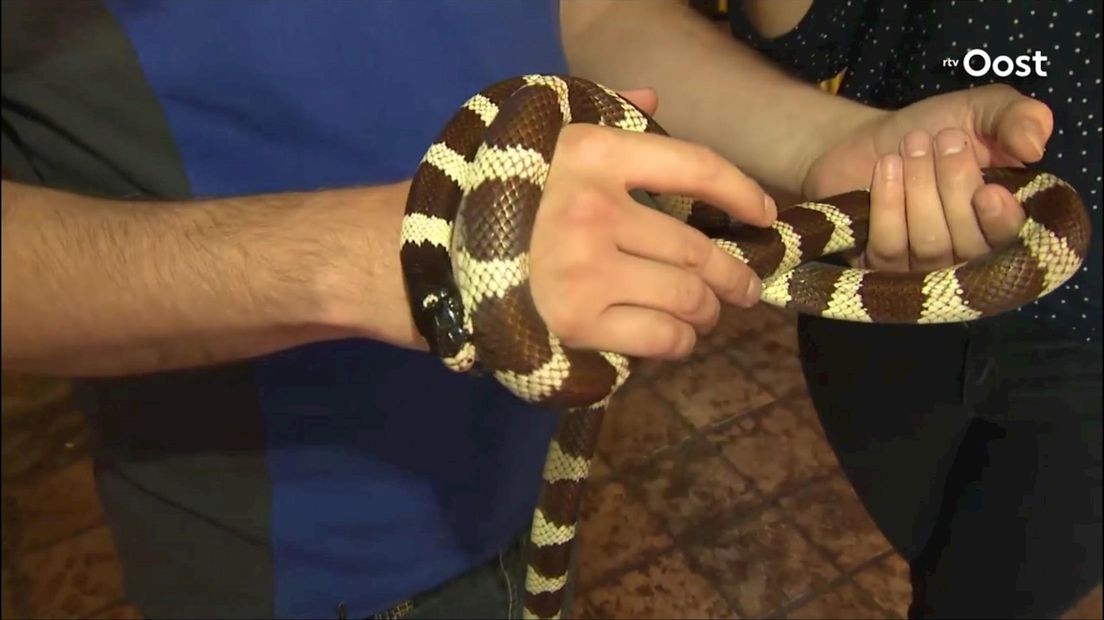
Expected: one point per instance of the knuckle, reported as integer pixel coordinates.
(736, 278)
(740, 290)
(886, 254)
(712, 319)
(684, 342)
(588, 207)
(588, 143)
(690, 296)
(697, 252)
(564, 320)
(930, 248)
(569, 305)
(708, 163)
(669, 340)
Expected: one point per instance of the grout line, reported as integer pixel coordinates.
(698, 438)
(843, 579)
(43, 546)
(708, 528)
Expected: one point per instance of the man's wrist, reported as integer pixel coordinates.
(361, 290)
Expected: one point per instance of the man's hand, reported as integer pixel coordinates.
(611, 274)
(930, 207)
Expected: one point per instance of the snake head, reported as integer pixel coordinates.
(450, 333)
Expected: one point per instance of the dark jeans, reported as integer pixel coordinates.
(493, 590)
(976, 449)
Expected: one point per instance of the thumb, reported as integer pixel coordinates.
(643, 98)
(1017, 125)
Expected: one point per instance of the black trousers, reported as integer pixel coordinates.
(976, 449)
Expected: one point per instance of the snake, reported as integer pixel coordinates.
(464, 253)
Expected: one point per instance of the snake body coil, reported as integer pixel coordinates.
(465, 237)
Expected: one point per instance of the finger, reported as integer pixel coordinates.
(662, 164)
(1001, 216)
(1018, 125)
(658, 286)
(648, 233)
(888, 243)
(644, 98)
(958, 177)
(642, 332)
(929, 240)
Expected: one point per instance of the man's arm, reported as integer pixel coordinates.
(101, 287)
(712, 90)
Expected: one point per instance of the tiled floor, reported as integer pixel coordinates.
(716, 497)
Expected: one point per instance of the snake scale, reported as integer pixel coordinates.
(464, 252)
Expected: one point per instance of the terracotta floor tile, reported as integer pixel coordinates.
(615, 530)
(784, 336)
(667, 588)
(802, 405)
(738, 324)
(73, 578)
(582, 610)
(637, 424)
(845, 601)
(774, 449)
(761, 563)
(54, 506)
(831, 515)
(691, 484)
(42, 442)
(599, 469)
(646, 369)
(887, 582)
(775, 366)
(711, 389)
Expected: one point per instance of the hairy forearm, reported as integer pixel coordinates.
(101, 287)
(712, 89)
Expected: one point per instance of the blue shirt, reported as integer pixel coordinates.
(380, 473)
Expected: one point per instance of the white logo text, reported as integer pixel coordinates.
(978, 62)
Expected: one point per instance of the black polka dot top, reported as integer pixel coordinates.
(896, 52)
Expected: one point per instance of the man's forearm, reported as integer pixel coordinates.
(99, 287)
(712, 89)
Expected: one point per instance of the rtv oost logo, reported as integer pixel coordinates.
(978, 62)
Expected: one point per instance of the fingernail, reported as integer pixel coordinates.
(950, 142)
(1034, 135)
(755, 288)
(989, 204)
(890, 167)
(769, 206)
(916, 144)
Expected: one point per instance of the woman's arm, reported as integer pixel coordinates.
(712, 89)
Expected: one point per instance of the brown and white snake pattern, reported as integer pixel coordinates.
(464, 253)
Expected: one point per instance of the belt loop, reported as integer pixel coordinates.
(341, 611)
